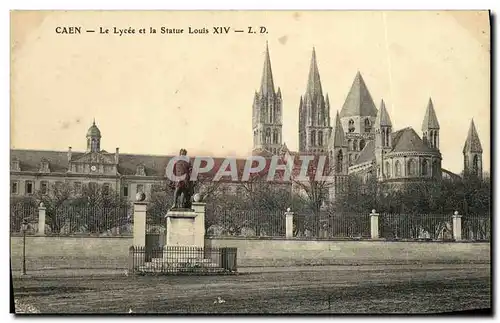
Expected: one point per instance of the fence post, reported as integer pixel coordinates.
(41, 219)
(457, 226)
(131, 255)
(289, 223)
(140, 207)
(374, 224)
(199, 221)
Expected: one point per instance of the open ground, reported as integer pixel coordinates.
(322, 289)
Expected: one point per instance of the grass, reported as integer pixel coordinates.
(356, 289)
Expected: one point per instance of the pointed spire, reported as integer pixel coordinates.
(339, 136)
(430, 119)
(359, 102)
(267, 84)
(314, 81)
(93, 122)
(472, 143)
(383, 119)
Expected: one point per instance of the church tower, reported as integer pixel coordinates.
(314, 114)
(93, 139)
(383, 140)
(473, 153)
(267, 112)
(430, 127)
(337, 151)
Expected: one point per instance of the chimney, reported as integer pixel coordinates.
(117, 153)
(69, 153)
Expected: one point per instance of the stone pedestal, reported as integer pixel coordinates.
(457, 226)
(41, 220)
(374, 225)
(140, 223)
(184, 228)
(289, 224)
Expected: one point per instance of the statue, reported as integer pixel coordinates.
(183, 188)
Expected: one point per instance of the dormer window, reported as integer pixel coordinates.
(14, 165)
(351, 127)
(44, 166)
(140, 170)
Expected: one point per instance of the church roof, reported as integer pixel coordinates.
(367, 154)
(314, 82)
(359, 101)
(267, 83)
(383, 118)
(472, 143)
(94, 131)
(408, 140)
(338, 138)
(430, 119)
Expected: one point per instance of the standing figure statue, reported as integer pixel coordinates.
(184, 187)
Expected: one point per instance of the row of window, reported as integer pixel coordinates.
(268, 138)
(29, 187)
(411, 168)
(352, 128)
(354, 145)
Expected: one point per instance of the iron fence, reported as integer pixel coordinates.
(416, 226)
(18, 213)
(245, 223)
(182, 260)
(332, 225)
(476, 227)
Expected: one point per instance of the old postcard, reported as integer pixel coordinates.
(265, 162)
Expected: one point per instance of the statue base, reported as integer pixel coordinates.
(184, 228)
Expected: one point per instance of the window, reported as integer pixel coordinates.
(271, 114)
(397, 169)
(368, 125)
(140, 170)
(475, 165)
(44, 166)
(125, 190)
(44, 186)
(388, 169)
(93, 186)
(140, 188)
(355, 145)
(29, 187)
(349, 144)
(59, 184)
(268, 136)
(14, 187)
(425, 166)
(275, 136)
(105, 188)
(412, 168)
(361, 144)
(435, 168)
(351, 127)
(313, 138)
(78, 187)
(94, 146)
(14, 165)
(340, 158)
(320, 138)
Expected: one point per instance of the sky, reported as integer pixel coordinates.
(157, 93)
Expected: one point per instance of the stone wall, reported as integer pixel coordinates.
(111, 253)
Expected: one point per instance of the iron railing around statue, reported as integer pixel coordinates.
(182, 260)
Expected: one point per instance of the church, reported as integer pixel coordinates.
(361, 140)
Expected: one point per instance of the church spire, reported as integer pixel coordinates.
(338, 136)
(430, 119)
(267, 84)
(383, 119)
(472, 143)
(314, 81)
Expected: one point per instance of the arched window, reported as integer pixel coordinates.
(255, 136)
(340, 158)
(349, 144)
(94, 145)
(271, 114)
(320, 138)
(313, 138)
(355, 145)
(412, 168)
(351, 127)
(425, 170)
(368, 125)
(268, 136)
(387, 169)
(361, 144)
(435, 168)
(397, 169)
(275, 136)
(475, 165)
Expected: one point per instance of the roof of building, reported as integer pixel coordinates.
(338, 138)
(367, 154)
(267, 83)
(472, 143)
(383, 118)
(359, 102)
(94, 131)
(430, 119)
